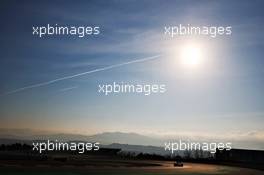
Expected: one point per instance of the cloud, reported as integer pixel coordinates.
(68, 89)
(80, 74)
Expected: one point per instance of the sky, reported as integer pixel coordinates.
(223, 97)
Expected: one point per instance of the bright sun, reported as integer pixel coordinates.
(191, 55)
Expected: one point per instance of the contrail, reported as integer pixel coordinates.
(68, 89)
(80, 74)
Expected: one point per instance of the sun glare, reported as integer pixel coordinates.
(191, 55)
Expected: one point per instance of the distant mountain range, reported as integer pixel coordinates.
(141, 149)
(108, 138)
(125, 138)
(130, 142)
(105, 138)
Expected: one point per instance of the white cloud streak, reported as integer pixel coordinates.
(80, 74)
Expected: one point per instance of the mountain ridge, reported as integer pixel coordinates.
(104, 138)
